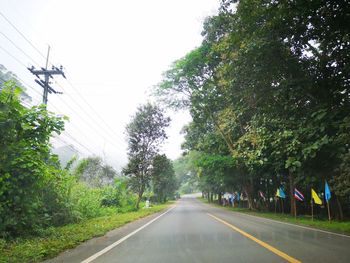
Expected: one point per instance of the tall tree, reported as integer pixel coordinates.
(272, 79)
(163, 178)
(146, 133)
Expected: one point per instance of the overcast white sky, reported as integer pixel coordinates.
(113, 52)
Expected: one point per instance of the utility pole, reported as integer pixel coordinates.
(47, 73)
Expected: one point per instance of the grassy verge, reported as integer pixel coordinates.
(59, 239)
(334, 226)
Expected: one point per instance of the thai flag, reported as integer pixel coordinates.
(298, 195)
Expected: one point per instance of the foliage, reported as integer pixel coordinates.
(94, 172)
(146, 132)
(57, 239)
(6, 75)
(28, 172)
(269, 86)
(35, 192)
(186, 173)
(163, 178)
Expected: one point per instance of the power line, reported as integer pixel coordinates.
(96, 113)
(70, 145)
(12, 56)
(72, 138)
(45, 96)
(21, 63)
(19, 32)
(28, 86)
(20, 49)
(28, 105)
(91, 126)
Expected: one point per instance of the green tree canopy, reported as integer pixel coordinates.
(146, 132)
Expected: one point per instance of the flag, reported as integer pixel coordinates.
(298, 195)
(327, 192)
(262, 195)
(280, 193)
(277, 192)
(233, 197)
(314, 196)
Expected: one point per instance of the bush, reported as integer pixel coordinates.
(25, 162)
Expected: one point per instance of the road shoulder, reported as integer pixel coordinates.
(94, 245)
(336, 228)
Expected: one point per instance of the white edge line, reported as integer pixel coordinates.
(290, 224)
(93, 257)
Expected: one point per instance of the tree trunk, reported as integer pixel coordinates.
(139, 198)
(340, 209)
(219, 198)
(208, 196)
(248, 190)
(291, 194)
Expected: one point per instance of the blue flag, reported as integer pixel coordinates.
(281, 193)
(327, 192)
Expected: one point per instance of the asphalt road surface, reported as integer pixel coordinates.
(195, 232)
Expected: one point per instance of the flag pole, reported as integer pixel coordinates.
(275, 205)
(329, 214)
(312, 210)
(295, 210)
(282, 206)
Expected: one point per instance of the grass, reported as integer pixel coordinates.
(58, 239)
(304, 220)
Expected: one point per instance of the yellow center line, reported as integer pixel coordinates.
(261, 243)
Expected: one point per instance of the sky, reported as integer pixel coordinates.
(113, 53)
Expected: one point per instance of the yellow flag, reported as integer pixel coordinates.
(278, 192)
(314, 196)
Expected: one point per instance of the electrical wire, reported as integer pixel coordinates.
(20, 62)
(20, 49)
(12, 56)
(93, 110)
(24, 37)
(91, 126)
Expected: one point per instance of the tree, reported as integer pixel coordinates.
(94, 172)
(186, 172)
(145, 132)
(271, 79)
(163, 178)
(29, 173)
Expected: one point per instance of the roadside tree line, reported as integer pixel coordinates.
(268, 91)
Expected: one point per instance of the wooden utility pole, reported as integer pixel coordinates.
(47, 73)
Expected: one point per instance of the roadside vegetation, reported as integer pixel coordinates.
(304, 220)
(51, 241)
(268, 92)
(46, 208)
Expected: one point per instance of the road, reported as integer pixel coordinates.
(196, 232)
